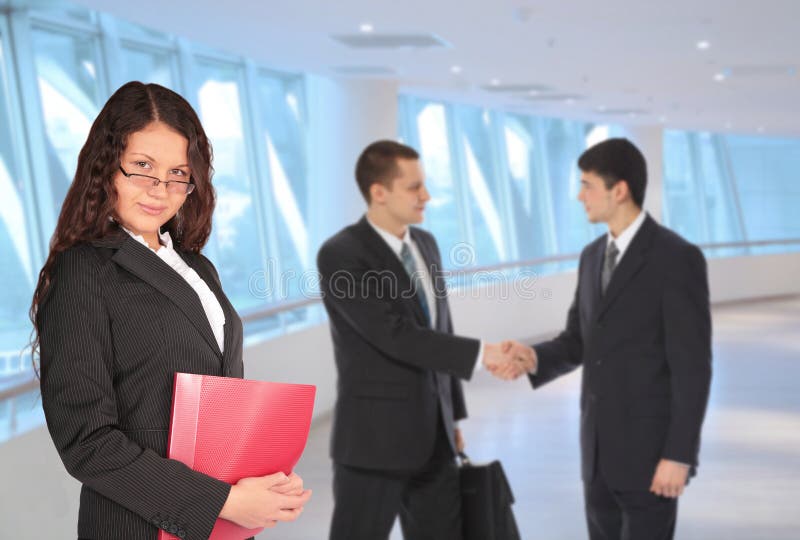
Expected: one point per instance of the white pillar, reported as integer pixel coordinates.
(650, 140)
(346, 115)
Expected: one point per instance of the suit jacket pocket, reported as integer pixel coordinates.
(382, 390)
(132, 289)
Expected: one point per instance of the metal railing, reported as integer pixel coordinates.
(27, 384)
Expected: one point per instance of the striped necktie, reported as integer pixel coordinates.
(416, 279)
(608, 265)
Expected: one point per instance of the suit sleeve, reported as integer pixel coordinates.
(367, 301)
(78, 398)
(459, 402)
(687, 341)
(563, 353)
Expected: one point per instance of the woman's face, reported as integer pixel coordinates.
(160, 152)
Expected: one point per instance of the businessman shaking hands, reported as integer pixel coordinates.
(399, 365)
(640, 327)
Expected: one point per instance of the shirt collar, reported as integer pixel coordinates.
(394, 242)
(623, 240)
(165, 240)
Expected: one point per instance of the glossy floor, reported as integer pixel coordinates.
(748, 486)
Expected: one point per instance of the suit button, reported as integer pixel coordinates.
(598, 362)
(173, 529)
(165, 525)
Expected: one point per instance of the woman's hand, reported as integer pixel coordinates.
(263, 501)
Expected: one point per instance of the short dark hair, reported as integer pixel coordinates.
(615, 160)
(378, 164)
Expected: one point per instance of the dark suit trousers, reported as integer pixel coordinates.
(366, 502)
(627, 515)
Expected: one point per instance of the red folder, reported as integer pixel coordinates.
(236, 428)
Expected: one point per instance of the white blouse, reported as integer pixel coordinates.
(212, 307)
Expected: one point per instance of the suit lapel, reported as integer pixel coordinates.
(148, 267)
(196, 263)
(390, 261)
(593, 272)
(632, 261)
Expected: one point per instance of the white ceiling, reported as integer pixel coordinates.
(621, 55)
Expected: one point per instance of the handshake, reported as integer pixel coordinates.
(509, 359)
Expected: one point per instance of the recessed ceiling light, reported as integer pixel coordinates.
(761, 129)
(728, 125)
(455, 70)
(366, 27)
(570, 101)
(662, 119)
(601, 108)
(719, 77)
(495, 82)
(533, 92)
(703, 45)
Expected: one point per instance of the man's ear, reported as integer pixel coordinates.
(377, 193)
(622, 191)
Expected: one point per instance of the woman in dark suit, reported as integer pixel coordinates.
(123, 302)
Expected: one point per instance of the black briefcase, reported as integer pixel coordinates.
(486, 501)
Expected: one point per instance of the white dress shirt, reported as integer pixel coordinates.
(623, 240)
(211, 306)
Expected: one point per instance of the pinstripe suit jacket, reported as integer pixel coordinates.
(115, 325)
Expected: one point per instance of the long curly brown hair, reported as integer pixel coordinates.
(88, 212)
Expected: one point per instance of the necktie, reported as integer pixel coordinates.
(608, 265)
(416, 279)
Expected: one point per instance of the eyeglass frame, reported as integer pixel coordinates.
(190, 186)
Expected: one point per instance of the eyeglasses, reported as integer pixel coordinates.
(178, 187)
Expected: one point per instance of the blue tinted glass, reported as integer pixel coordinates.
(236, 243)
(19, 267)
(67, 73)
(282, 139)
(482, 184)
(147, 66)
(765, 171)
(441, 214)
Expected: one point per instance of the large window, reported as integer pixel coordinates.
(237, 236)
(426, 129)
(148, 65)
(66, 61)
(18, 240)
(765, 172)
(281, 123)
(68, 75)
(723, 189)
(503, 185)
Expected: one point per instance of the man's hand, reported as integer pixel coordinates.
(670, 479)
(521, 353)
(459, 441)
(500, 364)
(509, 359)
